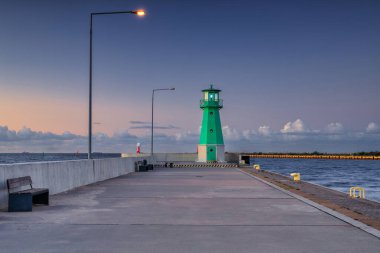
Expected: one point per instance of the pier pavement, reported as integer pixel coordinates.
(179, 210)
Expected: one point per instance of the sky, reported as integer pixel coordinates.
(296, 76)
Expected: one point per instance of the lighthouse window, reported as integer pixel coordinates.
(211, 150)
(216, 96)
(211, 130)
(211, 113)
(211, 96)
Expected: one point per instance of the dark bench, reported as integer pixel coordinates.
(21, 199)
(143, 166)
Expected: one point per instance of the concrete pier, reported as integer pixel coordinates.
(179, 210)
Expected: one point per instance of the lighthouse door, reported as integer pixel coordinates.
(211, 153)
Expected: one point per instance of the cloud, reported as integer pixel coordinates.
(265, 130)
(26, 134)
(136, 122)
(295, 130)
(249, 134)
(334, 128)
(292, 137)
(155, 127)
(30, 140)
(231, 133)
(373, 128)
(148, 125)
(297, 137)
(294, 127)
(124, 136)
(187, 136)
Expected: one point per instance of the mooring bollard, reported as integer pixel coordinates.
(296, 177)
(360, 190)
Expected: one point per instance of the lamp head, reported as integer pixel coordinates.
(139, 12)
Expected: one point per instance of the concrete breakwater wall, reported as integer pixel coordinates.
(167, 157)
(175, 157)
(65, 175)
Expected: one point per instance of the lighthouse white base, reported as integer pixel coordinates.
(210, 153)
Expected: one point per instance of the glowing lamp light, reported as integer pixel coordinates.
(140, 13)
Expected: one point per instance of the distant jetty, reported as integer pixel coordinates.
(314, 156)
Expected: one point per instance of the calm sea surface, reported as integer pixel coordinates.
(336, 174)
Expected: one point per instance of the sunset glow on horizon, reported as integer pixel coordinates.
(295, 76)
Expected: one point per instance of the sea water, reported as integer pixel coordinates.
(339, 175)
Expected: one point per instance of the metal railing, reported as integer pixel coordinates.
(357, 192)
(211, 103)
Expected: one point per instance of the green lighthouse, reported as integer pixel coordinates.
(211, 144)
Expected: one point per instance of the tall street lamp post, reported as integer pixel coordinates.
(151, 140)
(139, 13)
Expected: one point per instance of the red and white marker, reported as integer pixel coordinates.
(138, 148)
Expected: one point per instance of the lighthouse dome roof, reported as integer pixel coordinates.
(211, 89)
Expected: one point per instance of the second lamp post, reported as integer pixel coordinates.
(151, 140)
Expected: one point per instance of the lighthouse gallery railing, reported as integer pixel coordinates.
(211, 103)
